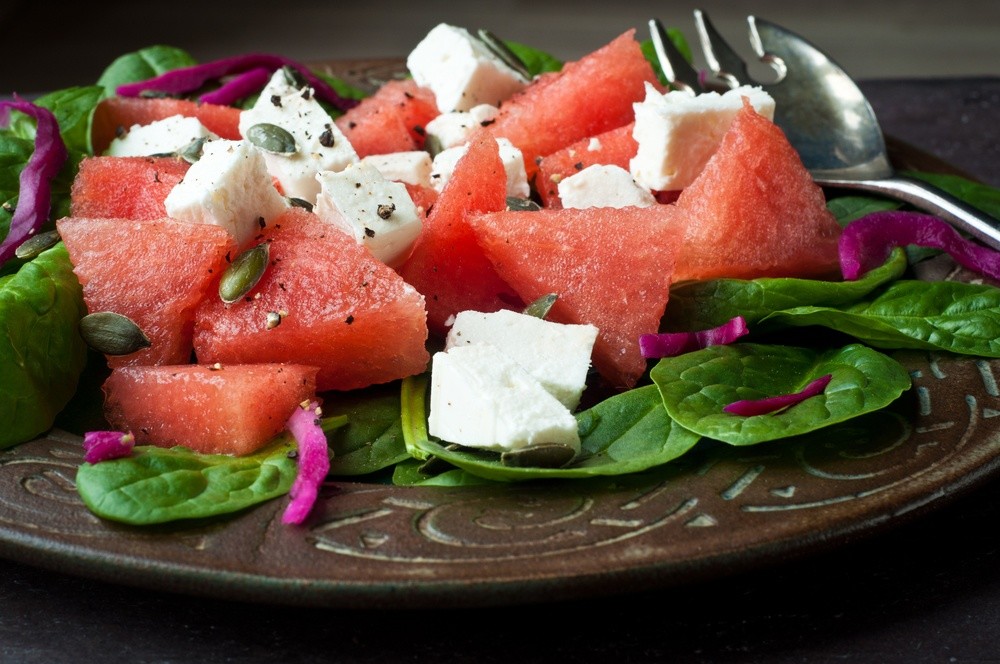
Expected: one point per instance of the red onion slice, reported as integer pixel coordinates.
(751, 407)
(106, 445)
(669, 344)
(313, 460)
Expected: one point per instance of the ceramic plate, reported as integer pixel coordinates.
(718, 511)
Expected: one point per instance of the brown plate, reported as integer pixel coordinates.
(718, 511)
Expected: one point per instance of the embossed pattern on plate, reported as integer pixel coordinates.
(717, 511)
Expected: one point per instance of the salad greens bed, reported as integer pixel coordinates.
(48, 377)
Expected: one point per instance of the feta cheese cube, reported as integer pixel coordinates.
(461, 70)
(677, 133)
(455, 128)
(482, 398)
(412, 167)
(513, 164)
(603, 185)
(165, 136)
(557, 355)
(376, 212)
(320, 145)
(230, 187)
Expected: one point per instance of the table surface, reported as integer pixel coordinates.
(927, 591)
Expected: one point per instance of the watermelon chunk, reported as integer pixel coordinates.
(124, 187)
(609, 267)
(615, 147)
(153, 271)
(754, 211)
(587, 97)
(116, 113)
(234, 409)
(447, 265)
(390, 120)
(339, 309)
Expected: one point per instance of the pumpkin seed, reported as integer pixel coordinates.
(540, 308)
(546, 455)
(293, 77)
(300, 202)
(244, 273)
(272, 138)
(36, 244)
(112, 334)
(502, 51)
(516, 204)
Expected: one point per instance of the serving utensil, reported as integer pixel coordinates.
(823, 113)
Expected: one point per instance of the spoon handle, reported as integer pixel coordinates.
(931, 199)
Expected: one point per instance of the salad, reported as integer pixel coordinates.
(725, 362)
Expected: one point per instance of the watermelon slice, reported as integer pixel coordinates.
(447, 265)
(390, 120)
(587, 97)
(125, 187)
(609, 267)
(233, 409)
(615, 147)
(153, 271)
(324, 300)
(754, 211)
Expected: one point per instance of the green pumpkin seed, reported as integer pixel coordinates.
(515, 204)
(546, 455)
(502, 51)
(36, 244)
(112, 334)
(300, 202)
(272, 138)
(293, 77)
(540, 308)
(244, 273)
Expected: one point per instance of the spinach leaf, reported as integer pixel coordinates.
(698, 305)
(848, 208)
(157, 485)
(73, 108)
(942, 315)
(626, 433)
(535, 61)
(41, 354)
(979, 195)
(373, 436)
(696, 386)
(142, 65)
(408, 473)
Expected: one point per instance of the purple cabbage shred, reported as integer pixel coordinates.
(106, 445)
(313, 460)
(34, 200)
(751, 407)
(669, 344)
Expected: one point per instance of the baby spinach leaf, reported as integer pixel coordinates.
(848, 208)
(626, 433)
(535, 61)
(408, 473)
(943, 315)
(156, 485)
(697, 305)
(141, 65)
(696, 386)
(41, 354)
(373, 437)
(977, 194)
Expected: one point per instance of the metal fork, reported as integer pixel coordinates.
(823, 113)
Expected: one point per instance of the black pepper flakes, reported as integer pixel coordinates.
(307, 93)
(578, 165)
(326, 138)
(261, 222)
(486, 123)
(349, 319)
(276, 100)
(419, 130)
(385, 210)
(369, 232)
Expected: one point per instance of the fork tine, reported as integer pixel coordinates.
(678, 71)
(724, 62)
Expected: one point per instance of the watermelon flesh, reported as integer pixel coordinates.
(115, 114)
(153, 271)
(615, 147)
(233, 409)
(124, 187)
(390, 120)
(340, 309)
(609, 267)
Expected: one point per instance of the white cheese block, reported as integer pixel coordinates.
(230, 187)
(376, 212)
(455, 128)
(603, 185)
(413, 167)
(513, 164)
(557, 355)
(461, 70)
(482, 398)
(677, 133)
(320, 145)
(164, 136)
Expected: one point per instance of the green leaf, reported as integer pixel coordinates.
(627, 433)
(408, 473)
(535, 61)
(73, 109)
(979, 195)
(698, 305)
(848, 208)
(950, 316)
(141, 65)
(696, 387)
(156, 485)
(41, 355)
(373, 437)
